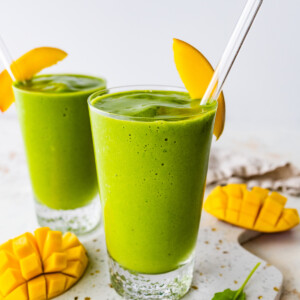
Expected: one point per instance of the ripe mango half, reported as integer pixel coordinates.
(40, 266)
(258, 209)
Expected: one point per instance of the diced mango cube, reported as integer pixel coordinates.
(234, 203)
(234, 190)
(251, 204)
(74, 268)
(291, 216)
(218, 202)
(7, 261)
(55, 263)
(53, 243)
(10, 280)
(271, 211)
(55, 284)
(218, 191)
(70, 240)
(19, 293)
(282, 225)
(263, 226)
(23, 246)
(70, 281)
(76, 253)
(40, 236)
(232, 216)
(263, 193)
(7, 246)
(246, 220)
(278, 197)
(37, 288)
(31, 266)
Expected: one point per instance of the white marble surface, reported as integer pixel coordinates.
(17, 212)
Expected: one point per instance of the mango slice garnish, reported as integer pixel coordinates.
(40, 266)
(25, 68)
(196, 72)
(258, 209)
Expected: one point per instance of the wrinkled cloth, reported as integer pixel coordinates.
(231, 166)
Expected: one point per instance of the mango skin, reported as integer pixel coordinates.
(257, 209)
(40, 266)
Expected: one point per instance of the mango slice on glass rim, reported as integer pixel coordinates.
(25, 68)
(196, 72)
(40, 266)
(257, 209)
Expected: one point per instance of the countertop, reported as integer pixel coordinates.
(281, 250)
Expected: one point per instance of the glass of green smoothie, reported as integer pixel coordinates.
(55, 124)
(152, 146)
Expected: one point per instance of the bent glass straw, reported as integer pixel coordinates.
(231, 51)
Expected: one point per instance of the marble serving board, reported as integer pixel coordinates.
(221, 263)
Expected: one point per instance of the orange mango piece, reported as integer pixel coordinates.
(40, 236)
(70, 240)
(55, 284)
(270, 212)
(279, 198)
(55, 263)
(37, 289)
(7, 246)
(24, 245)
(256, 209)
(263, 193)
(19, 293)
(7, 260)
(76, 253)
(53, 243)
(233, 189)
(10, 280)
(25, 68)
(25, 276)
(196, 72)
(31, 266)
(70, 281)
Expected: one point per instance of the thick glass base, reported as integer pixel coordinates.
(79, 221)
(132, 285)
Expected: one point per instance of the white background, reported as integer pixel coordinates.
(130, 42)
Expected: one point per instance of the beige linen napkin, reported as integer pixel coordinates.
(231, 166)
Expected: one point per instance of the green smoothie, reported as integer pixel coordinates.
(152, 149)
(54, 119)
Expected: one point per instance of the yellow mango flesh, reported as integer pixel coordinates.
(196, 72)
(40, 266)
(257, 209)
(25, 68)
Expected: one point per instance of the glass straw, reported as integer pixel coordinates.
(231, 51)
(6, 58)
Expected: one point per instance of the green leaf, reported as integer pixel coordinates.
(228, 294)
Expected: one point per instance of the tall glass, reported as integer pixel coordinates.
(151, 173)
(58, 143)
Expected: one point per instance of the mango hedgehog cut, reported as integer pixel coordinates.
(40, 266)
(258, 209)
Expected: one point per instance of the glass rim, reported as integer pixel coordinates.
(143, 87)
(79, 92)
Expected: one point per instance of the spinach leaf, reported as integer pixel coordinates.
(228, 294)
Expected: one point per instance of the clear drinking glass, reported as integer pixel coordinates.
(58, 143)
(151, 172)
